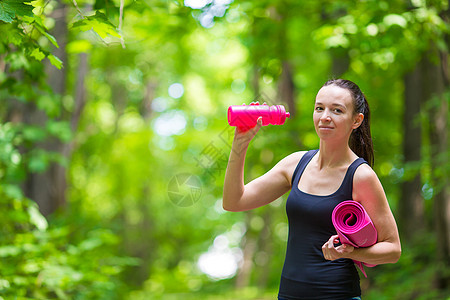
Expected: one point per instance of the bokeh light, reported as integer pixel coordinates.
(176, 90)
(170, 123)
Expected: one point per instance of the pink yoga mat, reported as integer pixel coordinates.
(354, 226)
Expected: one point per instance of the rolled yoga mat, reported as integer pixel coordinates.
(354, 227)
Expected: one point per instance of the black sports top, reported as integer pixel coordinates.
(306, 274)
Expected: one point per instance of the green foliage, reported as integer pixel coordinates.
(43, 261)
(98, 23)
(21, 32)
(9, 9)
(413, 277)
(120, 236)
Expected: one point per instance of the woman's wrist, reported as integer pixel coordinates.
(239, 146)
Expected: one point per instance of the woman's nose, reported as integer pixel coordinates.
(326, 116)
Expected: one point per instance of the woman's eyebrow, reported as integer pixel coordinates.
(332, 104)
(338, 104)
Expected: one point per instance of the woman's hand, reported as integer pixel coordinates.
(243, 135)
(332, 252)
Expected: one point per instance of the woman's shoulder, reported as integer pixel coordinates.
(368, 190)
(288, 164)
(365, 175)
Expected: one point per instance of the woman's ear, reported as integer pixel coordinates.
(358, 120)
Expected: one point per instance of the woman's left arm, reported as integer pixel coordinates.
(368, 191)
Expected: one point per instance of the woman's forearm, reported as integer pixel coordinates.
(233, 187)
(379, 253)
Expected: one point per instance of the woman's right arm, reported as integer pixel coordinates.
(262, 190)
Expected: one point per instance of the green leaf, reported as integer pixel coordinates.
(11, 34)
(51, 104)
(79, 46)
(6, 14)
(9, 250)
(60, 129)
(17, 61)
(90, 244)
(9, 9)
(98, 23)
(394, 19)
(12, 191)
(34, 133)
(37, 53)
(38, 4)
(51, 38)
(4, 284)
(40, 27)
(38, 163)
(55, 61)
(36, 218)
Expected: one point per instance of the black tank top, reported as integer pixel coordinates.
(306, 274)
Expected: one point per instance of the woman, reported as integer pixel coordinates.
(316, 265)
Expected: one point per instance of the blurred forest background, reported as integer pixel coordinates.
(114, 140)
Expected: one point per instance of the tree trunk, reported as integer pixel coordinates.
(48, 188)
(340, 62)
(57, 77)
(38, 186)
(286, 88)
(411, 206)
(286, 93)
(436, 92)
(146, 106)
(58, 172)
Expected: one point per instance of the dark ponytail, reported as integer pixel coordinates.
(360, 140)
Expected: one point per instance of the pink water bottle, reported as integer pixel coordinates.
(246, 116)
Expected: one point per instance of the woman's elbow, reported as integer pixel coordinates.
(226, 207)
(396, 253)
(229, 206)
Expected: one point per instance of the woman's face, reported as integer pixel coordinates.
(334, 116)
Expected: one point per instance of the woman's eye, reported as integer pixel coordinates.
(318, 108)
(338, 110)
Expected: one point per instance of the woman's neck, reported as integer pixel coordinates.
(334, 155)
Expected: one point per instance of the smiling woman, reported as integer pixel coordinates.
(315, 266)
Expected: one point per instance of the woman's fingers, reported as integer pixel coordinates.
(253, 131)
(248, 133)
(332, 252)
(259, 122)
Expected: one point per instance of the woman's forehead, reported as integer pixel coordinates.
(334, 94)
